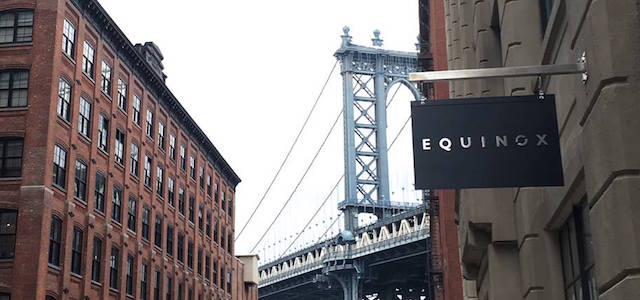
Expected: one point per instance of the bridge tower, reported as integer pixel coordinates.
(368, 73)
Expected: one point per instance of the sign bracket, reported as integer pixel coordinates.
(503, 72)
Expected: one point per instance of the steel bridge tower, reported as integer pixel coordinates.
(368, 73)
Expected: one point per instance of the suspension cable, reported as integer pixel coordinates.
(299, 181)
(295, 141)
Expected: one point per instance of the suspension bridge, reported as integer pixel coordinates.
(376, 244)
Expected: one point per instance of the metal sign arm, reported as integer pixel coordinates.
(519, 71)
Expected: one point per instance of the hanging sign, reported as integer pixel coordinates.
(486, 143)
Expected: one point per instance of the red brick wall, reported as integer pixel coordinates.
(28, 275)
(450, 264)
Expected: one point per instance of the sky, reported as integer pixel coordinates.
(248, 73)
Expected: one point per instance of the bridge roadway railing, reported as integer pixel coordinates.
(398, 230)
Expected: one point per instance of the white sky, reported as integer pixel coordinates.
(248, 73)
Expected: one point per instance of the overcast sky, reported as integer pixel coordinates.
(248, 73)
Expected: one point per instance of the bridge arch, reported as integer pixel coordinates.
(403, 81)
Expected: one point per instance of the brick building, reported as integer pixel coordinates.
(108, 188)
(579, 241)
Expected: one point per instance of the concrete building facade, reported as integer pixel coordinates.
(108, 188)
(580, 241)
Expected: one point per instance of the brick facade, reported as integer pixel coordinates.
(36, 197)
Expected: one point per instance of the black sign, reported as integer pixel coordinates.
(486, 143)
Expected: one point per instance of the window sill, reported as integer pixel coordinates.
(10, 179)
(85, 139)
(89, 77)
(95, 283)
(69, 58)
(13, 110)
(77, 277)
(100, 213)
(64, 123)
(116, 223)
(54, 268)
(104, 153)
(105, 94)
(83, 203)
(16, 45)
(114, 291)
(60, 188)
(130, 296)
(133, 233)
(120, 165)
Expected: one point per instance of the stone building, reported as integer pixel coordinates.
(108, 188)
(580, 241)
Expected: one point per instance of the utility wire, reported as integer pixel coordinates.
(295, 141)
(300, 181)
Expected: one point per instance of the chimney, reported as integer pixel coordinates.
(153, 56)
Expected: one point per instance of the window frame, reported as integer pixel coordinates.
(14, 75)
(84, 117)
(118, 147)
(103, 133)
(137, 104)
(4, 157)
(69, 42)
(116, 206)
(65, 91)
(80, 180)
(88, 59)
(96, 260)
(16, 26)
(55, 240)
(99, 196)
(132, 212)
(8, 238)
(106, 76)
(76, 251)
(60, 171)
(122, 95)
(114, 268)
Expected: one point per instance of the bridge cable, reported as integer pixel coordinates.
(314, 215)
(295, 141)
(335, 122)
(336, 185)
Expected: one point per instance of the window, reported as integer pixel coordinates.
(132, 212)
(147, 171)
(190, 294)
(208, 226)
(76, 251)
(577, 255)
(190, 254)
(106, 78)
(200, 218)
(207, 267)
(119, 147)
(169, 240)
(80, 187)
(229, 282)
(55, 238)
(180, 247)
(88, 57)
(222, 235)
(16, 26)
(201, 175)
(172, 147)
(11, 157)
(114, 262)
(59, 166)
(191, 208)
(215, 194)
(129, 275)
(8, 223)
(181, 201)
(116, 210)
(161, 135)
(98, 196)
(68, 38)
(103, 133)
(159, 181)
(136, 110)
(149, 124)
(84, 118)
(144, 279)
(145, 223)
(215, 230)
(209, 185)
(215, 272)
(200, 261)
(134, 159)
(156, 288)
(158, 232)
(230, 243)
(171, 191)
(64, 99)
(14, 85)
(192, 167)
(169, 288)
(122, 94)
(230, 201)
(223, 203)
(97, 258)
(222, 273)
(183, 163)
(180, 290)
